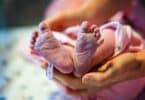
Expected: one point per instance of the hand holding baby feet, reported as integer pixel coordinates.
(88, 40)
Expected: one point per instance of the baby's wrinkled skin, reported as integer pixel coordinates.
(78, 59)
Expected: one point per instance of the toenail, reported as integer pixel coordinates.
(32, 41)
(97, 35)
(84, 25)
(93, 26)
(42, 26)
(96, 30)
(31, 46)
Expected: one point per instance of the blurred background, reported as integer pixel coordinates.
(20, 79)
(21, 13)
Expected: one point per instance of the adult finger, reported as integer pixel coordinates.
(69, 80)
(111, 72)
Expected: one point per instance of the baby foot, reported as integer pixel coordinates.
(52, 50)
(88, 40)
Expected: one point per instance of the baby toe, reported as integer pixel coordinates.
(42, 27)
(92, 28)
(34, 36)
(97, 35)
(33, 40)
(84, 27)
(96, 30)
(39, 42)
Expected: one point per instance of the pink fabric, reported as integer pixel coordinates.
(123, 36)
(123, 91)
(135, 15)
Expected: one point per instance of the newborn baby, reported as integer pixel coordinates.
(92, 46)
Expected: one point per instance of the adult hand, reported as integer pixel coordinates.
(95, 11)
(61, 21)
(122, 68)
(73, 85)
(58, 22)
(61, 12)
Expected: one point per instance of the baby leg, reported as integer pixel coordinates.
(52, 50)
(85, 48)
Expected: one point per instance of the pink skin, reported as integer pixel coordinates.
(86, 54)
